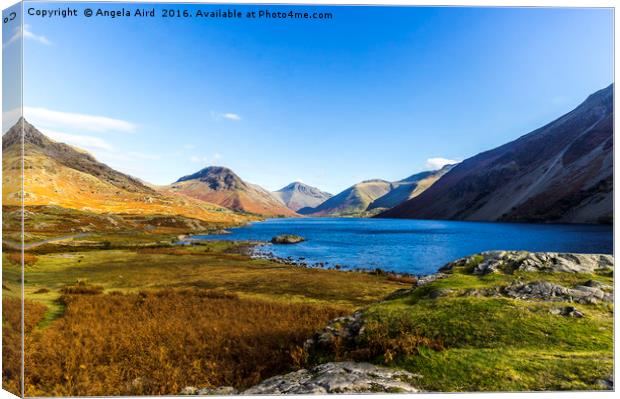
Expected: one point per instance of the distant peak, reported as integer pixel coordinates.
(217, 177)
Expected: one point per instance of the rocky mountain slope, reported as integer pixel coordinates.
(59, 175)
(352, 201)
(298, 195)
(408, 188)
(222, 186)
(561, 172)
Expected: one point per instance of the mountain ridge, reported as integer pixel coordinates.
(560, 172)
(57, 174)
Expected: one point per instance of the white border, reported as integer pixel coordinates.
(496, 3)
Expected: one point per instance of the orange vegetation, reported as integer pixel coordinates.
(159, 342)
(11, 338)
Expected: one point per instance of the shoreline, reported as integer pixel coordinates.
(248, 248)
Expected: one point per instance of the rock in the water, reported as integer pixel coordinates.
(338, 377)
(287, 239)
(510, 261)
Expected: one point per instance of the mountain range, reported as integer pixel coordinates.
(561, 172)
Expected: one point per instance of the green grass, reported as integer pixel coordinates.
(475, 369)
(489, 343)
(214, 265)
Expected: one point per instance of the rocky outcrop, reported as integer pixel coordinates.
(511, 261)
(338, 377)
(547, 291)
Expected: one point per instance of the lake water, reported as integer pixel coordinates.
(414, 246)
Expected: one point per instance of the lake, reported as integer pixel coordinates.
(414, 246)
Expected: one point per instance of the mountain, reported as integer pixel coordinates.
(56, 174)
(298, 195)
(408, 188)
(222, 186)
(561, 172)
(352, 201)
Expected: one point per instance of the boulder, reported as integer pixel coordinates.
(338, 377)
(287, 239)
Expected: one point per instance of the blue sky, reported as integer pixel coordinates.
(374, 92)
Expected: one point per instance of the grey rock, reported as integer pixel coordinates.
(567, 311)
(429, 279)
(219, 391)
(344, 330)
(547, 291)
(338, 377)
(607, 383)
(510, 261)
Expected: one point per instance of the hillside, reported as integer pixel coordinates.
(352, 201)
(561, 172)
(298, 195)
(408, 188)
(222, 186)
(60, 175)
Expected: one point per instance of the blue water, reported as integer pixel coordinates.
(414, 246)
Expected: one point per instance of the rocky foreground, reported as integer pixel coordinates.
(514, 320)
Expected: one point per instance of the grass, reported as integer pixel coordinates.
(212, 266)
(128, 313)
(459, 342)
(147, 317)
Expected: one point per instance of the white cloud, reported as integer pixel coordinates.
(226, 115)
(39, 38)
(231, 116)
(10, 118)
(439, 162)
(28, 34)
(214, 160)
(43, 117)
(87, 142)
(189, 146)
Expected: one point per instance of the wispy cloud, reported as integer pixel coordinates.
(439, 162)
(10, 118)
(87, 142)
(204, 160)
(43, 117)
(28, 34)
(189, 146)
(225, 115)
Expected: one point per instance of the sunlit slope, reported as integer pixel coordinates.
(60, 175)
(352, 201)
(222, 186)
